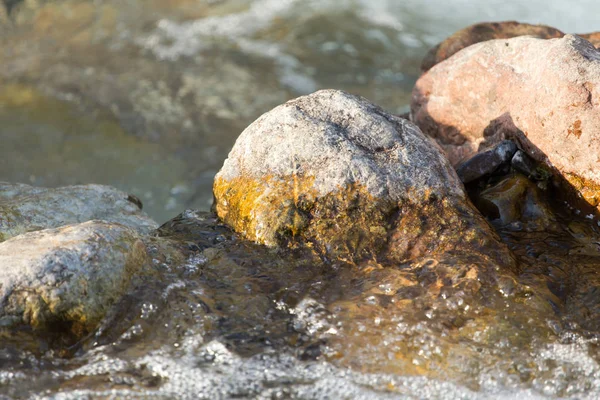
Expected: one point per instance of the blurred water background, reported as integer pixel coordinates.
(149, 95)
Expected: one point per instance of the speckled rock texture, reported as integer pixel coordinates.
(71, 274)
(337, 172)
(481, 32)
(542, 93)
(484, 31)
(25, 208)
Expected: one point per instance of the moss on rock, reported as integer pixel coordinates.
(334, 172)
(284, 211)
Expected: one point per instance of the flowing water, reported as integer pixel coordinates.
(149, 96)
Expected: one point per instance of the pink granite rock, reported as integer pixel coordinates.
(545, 94)
(484, 31)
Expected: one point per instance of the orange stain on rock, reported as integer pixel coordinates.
(575, 129)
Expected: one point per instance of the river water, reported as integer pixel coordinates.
(149, 96)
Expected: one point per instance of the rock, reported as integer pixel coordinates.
(542, 93)
(68, 275)
(25, 208)
(482, 32)
(515, 200)
(204, 227)
(527, 166)
(593, 38)
(337, 172)
(486, 162)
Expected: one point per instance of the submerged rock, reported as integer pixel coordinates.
(542, 93)
(68, 275)
(515, 200)
(25, 208)
(337, 172)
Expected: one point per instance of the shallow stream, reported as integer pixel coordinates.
(149, 96)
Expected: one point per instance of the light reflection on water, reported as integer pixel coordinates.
(235, 319)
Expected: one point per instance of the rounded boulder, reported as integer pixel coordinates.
(338, 173)
(72, 274)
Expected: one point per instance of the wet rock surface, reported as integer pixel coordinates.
(557, 246)
(224, 317)
(214, 311)
(69, 275)
(527, 166)
(476, 99)
(515, 200)
(25, 208)
(337, 172)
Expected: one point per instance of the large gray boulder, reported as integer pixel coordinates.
(337, 172)
(25, 208)
(71, 274)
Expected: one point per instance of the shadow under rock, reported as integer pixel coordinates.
(560, 261)
(563, 191)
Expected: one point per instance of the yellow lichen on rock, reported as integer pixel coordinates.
(280, 211)
(333, 172)
(239, 201)
(588, 189)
